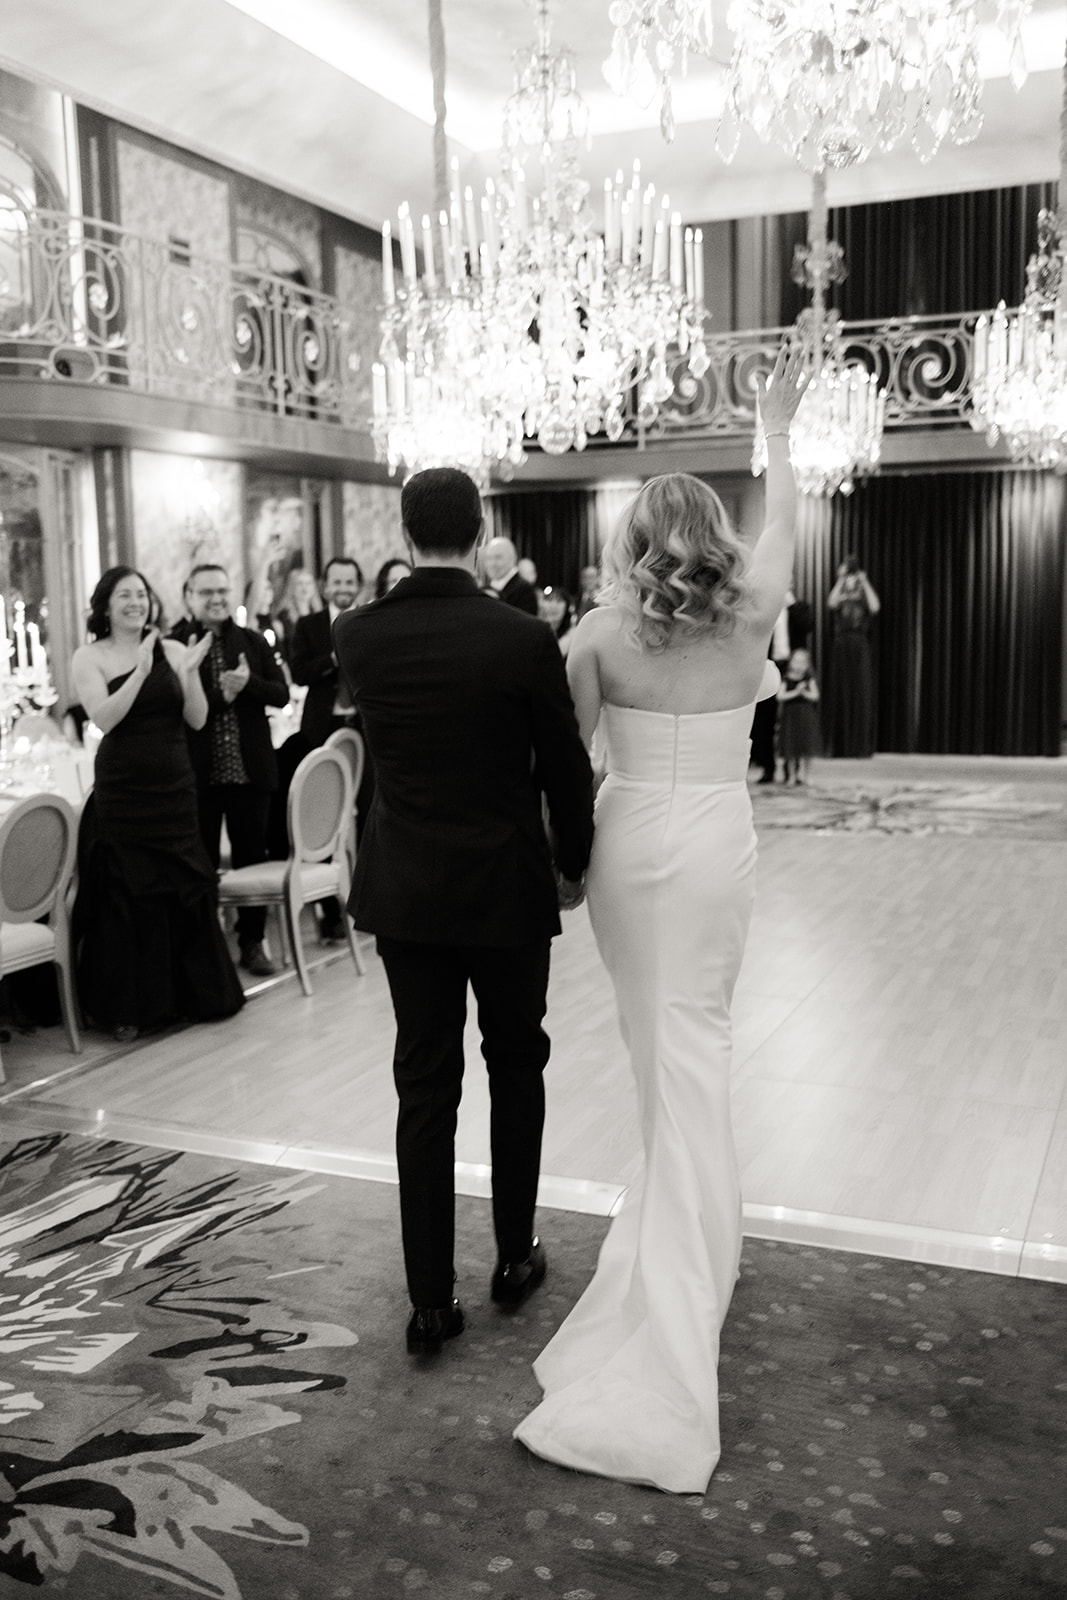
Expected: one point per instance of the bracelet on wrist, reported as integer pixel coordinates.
(779, 433)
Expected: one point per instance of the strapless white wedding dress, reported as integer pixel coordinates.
(630, 1379)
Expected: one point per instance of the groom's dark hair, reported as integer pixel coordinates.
(441, 510)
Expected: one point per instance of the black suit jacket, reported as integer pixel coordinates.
(266, 686)
(520, 594)
(468, 719)
(311, 663)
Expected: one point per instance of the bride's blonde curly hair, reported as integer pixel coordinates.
(675, 561)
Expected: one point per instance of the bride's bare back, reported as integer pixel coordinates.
(713, 665)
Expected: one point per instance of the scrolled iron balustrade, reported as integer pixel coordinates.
(90, 302)
(87, 301)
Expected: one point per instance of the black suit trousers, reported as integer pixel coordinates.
(428, 984)
(246, 811)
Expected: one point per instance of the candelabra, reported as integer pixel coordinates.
(837, 432)
(528, 319)
(1019, 388)
(25, 684)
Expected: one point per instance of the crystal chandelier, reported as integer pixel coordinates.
(830, 81)
(836, 435)
(528, 319)
(1019, 387)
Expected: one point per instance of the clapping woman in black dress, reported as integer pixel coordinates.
(149, 946)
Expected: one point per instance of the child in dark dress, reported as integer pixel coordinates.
(798, 717)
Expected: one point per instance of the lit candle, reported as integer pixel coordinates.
(690, 266)
(659, 252)
(377, 378)
(610, 239)
(37, 655)
(20, 636)
(428, 270)
(676, 251)
(647, 230)
(624, 222)
(388, 284)
(448, 266)
(457, 239)
(407, 245)
(472, 226)
(698, 263)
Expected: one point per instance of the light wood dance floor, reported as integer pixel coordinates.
(900, 1053)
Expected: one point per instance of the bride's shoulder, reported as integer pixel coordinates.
(600, 623)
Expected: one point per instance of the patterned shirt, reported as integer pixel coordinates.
(226, 763)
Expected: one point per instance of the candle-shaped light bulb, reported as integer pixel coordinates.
(388, 283)
(698, 265)
(428, 270)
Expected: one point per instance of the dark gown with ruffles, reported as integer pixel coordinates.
(150, 949)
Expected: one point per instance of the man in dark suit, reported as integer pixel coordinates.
(469, 721)
(501, 562)
(327, 703)
(232, 754)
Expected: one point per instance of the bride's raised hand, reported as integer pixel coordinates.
(780, 394)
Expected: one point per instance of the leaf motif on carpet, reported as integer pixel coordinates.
(98, 1255)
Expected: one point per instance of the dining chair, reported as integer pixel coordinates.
(319, 815)
(38, 841)
(350, 744)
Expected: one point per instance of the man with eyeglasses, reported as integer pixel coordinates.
(232, 755)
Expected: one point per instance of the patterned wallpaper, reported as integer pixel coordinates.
(270, 215)
(359, 289)
(186, 511)
(372, 532)
(159, 196)
(187, 301)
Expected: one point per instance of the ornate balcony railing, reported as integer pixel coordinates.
(89, 302)
(84, 301)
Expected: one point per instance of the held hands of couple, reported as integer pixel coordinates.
(569, 893)
(779, 395)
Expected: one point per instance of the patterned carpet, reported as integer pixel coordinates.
(205, 1391)
(889, 795)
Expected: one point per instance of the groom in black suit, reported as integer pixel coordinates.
(469, 721)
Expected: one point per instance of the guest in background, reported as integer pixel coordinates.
(300, 598)
(232, 754)
(798, 718)
(390, 574)
(528, 570)
(853, 604)
(327, 704)
(588, 584)
(557, 609)
(765, 717)
(148, 943)
(500, 560)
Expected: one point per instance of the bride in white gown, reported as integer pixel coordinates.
(674, 659)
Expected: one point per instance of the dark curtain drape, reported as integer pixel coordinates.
(553, 527)
(969, 568)
(929, 256)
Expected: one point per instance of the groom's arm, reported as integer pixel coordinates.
(562, 763)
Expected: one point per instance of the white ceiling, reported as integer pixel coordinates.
(330, 99)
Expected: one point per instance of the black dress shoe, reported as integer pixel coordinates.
(431, 1325)
(333, 932)
(514, 1281)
